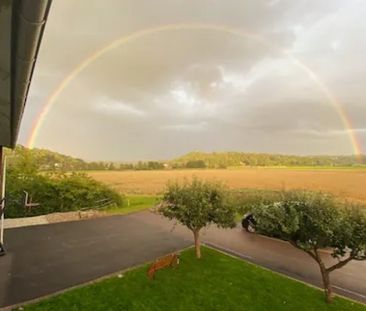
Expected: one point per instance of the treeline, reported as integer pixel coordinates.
(230, 159)
(52, 161)
(49, 161)
(142, 166)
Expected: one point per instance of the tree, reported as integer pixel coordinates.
(312, 221)
(196, 204)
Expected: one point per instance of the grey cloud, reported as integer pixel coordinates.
(114, 107)
(171, 92)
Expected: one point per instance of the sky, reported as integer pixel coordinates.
(164, 93)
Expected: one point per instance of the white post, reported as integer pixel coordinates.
(2, 196)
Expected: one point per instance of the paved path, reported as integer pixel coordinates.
(45, 259)
(22, 222)
(48, 258)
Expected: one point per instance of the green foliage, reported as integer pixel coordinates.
(196, 164)
(55, 192)
(351, 234)
(227, 159)
(150, 165)
(304, 217)
(198, 203)
(45, 160)
(312, 221)
(216, 282)
(244, 200)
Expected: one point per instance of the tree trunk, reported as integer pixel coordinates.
(326, 283)
(197, 244)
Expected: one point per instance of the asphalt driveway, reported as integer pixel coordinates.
(48, 258)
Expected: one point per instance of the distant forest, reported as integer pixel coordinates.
(236, 159)
(47, 160)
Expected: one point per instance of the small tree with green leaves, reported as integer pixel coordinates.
(313, 221)
(196, 204)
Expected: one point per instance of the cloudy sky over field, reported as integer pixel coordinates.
(200, 86)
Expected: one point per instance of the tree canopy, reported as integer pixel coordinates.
(196, 204)
(313, 221)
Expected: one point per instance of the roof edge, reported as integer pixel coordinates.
(28, 23)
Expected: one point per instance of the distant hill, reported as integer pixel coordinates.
(227, 159)
(46, 160)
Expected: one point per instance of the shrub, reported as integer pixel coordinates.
(55, 193)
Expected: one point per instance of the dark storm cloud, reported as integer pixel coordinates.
(197, 89)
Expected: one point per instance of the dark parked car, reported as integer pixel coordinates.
(248, 222)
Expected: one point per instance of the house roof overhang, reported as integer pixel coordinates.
(22, 23)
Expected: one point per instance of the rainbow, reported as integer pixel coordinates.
(333, 100)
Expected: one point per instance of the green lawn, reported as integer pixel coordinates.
(134, 203)
(216, 282)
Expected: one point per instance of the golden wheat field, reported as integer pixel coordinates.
(348, 184)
